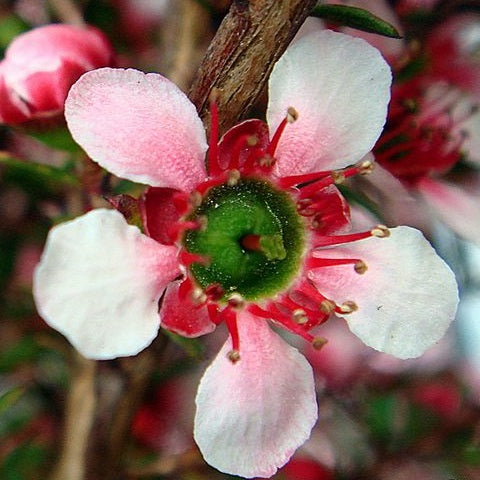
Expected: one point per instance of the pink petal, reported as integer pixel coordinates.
(159, 213)
(149, 131)
(99, 282)
(251, 416)
(180, 315)
(340, 87)
(457, 207)
(406, 299)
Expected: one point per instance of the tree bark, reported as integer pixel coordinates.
(238, 62)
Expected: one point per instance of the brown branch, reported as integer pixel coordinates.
(251, 38)
(79, 416)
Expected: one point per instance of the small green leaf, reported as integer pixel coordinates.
(9, 398)
(38, 180)
(10, 27)
(355, 17)
(193, 347)
(57, 138)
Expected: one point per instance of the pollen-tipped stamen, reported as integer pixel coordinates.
(290, 117)
(380, 231)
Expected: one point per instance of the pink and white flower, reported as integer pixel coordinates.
(41, 65)
(257, 235)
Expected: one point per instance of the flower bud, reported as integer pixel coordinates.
(41, 65)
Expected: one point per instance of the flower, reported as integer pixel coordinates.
(259, 234)
(41, 65)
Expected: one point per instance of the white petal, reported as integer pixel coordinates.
(138, 126)
(406, 299)
(340, 87)
(251, 416)
(99, 282)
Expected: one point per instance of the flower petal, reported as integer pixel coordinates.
(252, 415)
(406, 299)
(182, 316)
(99, 282)
(455, 206)
(149, 131)
(340, 87)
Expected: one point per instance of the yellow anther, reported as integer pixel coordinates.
(233, 356)
(348, 307)
(266, 161)
(198, 296)
(195, 199)
(380, 231)
(360, 267)
(252, 140)
(327, 306)
(299, 316)
(365, 167)
(233, 177)
(236, 301)
(292, 115)
(338, 176)
(214, 94)
(319, 342)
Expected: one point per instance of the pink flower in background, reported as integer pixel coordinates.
(41, 65)
(258, 235)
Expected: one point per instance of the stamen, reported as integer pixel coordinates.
(236, 301)
(187, 258)
(380, 231)
(274, 314)
(233, 177)
(346, 307)
(315, 262)
(327, 307)
(198, 296)
(213, 157)
(175, 230)
(244, 141)
(291, 117)
(230, 317)
(319, 342)
(214, 292)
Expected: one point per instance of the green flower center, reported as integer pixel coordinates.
(253, 242)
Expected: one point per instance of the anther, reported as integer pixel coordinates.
(319, 342)
(347, 307)
(327, 306)
(198, 296)
(292, 115)
(252, 140)
(365, 167)
(338, 176)
(233, 356)
(299, 316)
(360, 267)
(195, 199)
(233, 177)
(380, 231)
(236, 301)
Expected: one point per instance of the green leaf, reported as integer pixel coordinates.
(355, 17)
(25, 350)
(38, 180)
(193, 347)
(9, 398)
(57, 138)
(10, 27)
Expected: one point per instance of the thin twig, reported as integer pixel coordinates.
(67, 11)
(79, 416)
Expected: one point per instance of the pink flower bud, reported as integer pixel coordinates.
(41, 65)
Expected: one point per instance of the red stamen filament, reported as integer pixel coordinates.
(274, 314)
(187, 258)
(315, 262)
(380, 231)
(175, 230)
